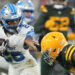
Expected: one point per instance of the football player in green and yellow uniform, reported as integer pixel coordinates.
(57, 16)
(54, 47)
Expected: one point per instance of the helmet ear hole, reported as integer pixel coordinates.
(53, 36)
(54, 50)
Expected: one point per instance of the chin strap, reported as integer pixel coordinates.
(58, 6)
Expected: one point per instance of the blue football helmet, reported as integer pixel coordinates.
(10, 12)
(26, 6)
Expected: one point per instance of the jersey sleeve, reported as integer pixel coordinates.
(69, 52)
(30, 33)
(39, 24)
(65, 57)
(72, 22)
(26, 30)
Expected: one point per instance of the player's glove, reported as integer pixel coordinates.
(3, 44)
(71, 36)
(38, 47)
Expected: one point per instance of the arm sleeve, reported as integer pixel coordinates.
(30, 33)
(39, 25)
(72, 22)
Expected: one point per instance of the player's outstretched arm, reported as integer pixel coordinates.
(29, 41)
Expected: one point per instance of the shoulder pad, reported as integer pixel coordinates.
(72, 11)
(25, 29)
(43, 8)
(28, 26)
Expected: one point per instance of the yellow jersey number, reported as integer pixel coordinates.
(57, 23)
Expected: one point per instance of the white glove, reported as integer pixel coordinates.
(3, 46)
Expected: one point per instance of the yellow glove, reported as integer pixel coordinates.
(71, 36)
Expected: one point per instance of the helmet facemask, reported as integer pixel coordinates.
(13, 24)
(47, 58)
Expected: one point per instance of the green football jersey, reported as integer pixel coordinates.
(52, 19)
(65, 58)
